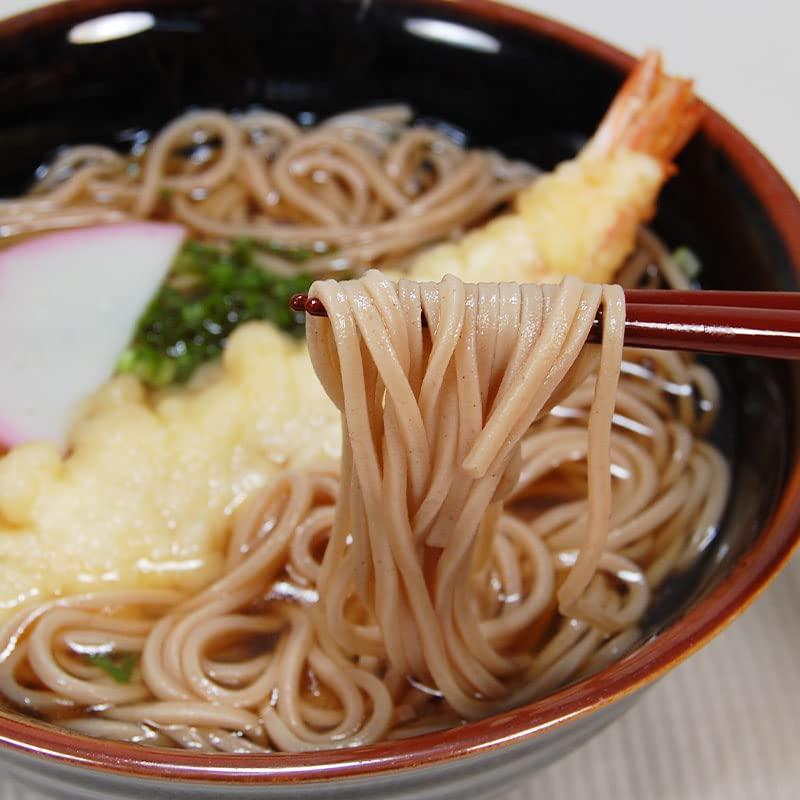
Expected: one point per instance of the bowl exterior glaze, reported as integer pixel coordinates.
(536, 90)
(484, 775)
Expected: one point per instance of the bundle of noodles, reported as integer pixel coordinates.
(360, 188)
(474, 552)
(433, 427)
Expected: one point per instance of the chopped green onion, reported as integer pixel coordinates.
(687, 261)
(118, 668)
(295, 254)
(208, 294)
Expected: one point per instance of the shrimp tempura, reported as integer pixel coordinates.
(582, 218)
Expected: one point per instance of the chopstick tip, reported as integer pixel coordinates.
(298, 301)
(311, 305)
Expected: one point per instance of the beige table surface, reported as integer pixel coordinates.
(726, 724)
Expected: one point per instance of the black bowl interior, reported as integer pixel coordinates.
(521, 92)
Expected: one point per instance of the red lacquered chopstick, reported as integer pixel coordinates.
(737, 323)
(714, 297)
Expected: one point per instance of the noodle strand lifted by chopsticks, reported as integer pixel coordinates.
(415, 572)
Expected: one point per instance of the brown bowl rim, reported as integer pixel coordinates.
(747, 579)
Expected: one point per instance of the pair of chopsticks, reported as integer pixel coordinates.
(763, 324)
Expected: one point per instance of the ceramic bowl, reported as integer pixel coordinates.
(525, 85)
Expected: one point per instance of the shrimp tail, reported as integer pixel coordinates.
(653, 113)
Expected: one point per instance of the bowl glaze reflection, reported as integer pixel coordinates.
(510, 80)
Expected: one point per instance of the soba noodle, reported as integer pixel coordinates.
(361, 188)
(507, 501)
